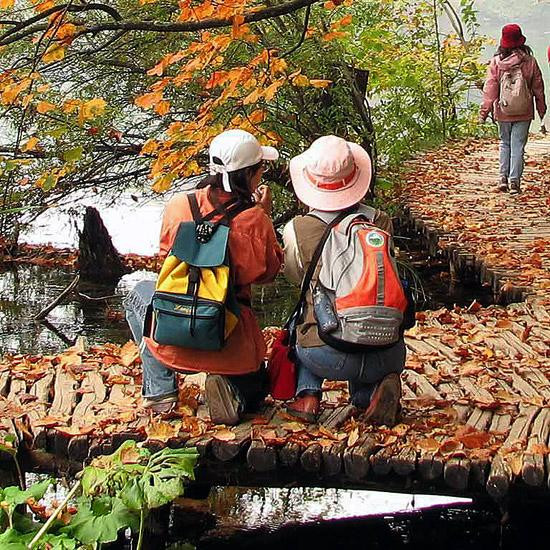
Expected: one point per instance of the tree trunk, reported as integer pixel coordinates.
(98, 259)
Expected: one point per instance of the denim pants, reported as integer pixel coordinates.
(363, 371)
(513, 138)
(159, 381)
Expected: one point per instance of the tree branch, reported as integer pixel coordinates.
(151, 26)
(63, 7)
(303, 36)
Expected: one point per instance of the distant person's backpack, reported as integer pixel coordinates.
(359, 301)
(194, 304)
(515, 97)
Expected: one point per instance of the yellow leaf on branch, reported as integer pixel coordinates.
(257, 116)
(43, 6)
(252, 97)
(162, 107)
(71, 105)
(43, 107)
(346, 20)
(91, 109)
(146, 101)
(163, 183)
(31, 144)
(7, 4)
(12, 91)
(300, 80)
(316, 83)
(56, 52)
(149, 147)
(333, 35)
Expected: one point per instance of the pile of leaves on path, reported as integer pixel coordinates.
(493, 359)
(49, 256)
(453, 189)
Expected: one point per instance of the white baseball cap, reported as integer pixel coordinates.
(237, 149)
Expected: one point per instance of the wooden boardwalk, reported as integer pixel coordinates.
(476, 390)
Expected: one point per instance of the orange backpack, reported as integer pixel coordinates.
(359, 301)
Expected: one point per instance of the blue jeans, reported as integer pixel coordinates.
(513, 138)
(158, 380)
(363, 371)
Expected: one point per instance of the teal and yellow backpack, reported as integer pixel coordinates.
(194, 304)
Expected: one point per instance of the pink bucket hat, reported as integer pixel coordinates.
(333, 174)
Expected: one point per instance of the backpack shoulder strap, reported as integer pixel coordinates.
(306, 281)
(227, 210)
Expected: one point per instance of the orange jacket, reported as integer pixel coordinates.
(256, 258)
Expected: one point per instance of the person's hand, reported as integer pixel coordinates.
(264, 198)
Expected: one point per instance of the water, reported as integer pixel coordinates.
(249, 518)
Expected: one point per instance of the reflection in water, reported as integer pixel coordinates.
(264, 507)
(25, 290)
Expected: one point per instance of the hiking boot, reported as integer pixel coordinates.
(515, 187)
(222, 400)
(305, 407)
(385, 402)
(503, 185)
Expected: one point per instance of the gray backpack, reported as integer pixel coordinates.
(359, 301)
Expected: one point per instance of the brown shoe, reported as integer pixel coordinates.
(515, 187)
(503, 185)
(306, 408)
(385, 402)
(222, 400)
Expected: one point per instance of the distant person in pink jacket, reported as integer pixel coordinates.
(514, 80)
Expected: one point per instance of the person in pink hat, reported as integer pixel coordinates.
(331, 178)
(514, 84)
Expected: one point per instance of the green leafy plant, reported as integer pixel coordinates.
(118, 492)
(125, 486)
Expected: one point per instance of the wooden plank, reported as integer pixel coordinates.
(533, 462)
(501, 474)
(404, 462)
(64, 394)
(41, 389)
(18, 387)
(4, 383)
(228, 450)
(94, 393)
(289, 454)
(421, 385)
(64, 400)
(311, 458)
(456, 473)
(332, 458)
(261, 457)
(356, 459)
(381, 461)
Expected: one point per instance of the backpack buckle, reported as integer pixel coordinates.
(204, 232)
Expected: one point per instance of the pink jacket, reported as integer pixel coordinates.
(531, 72)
